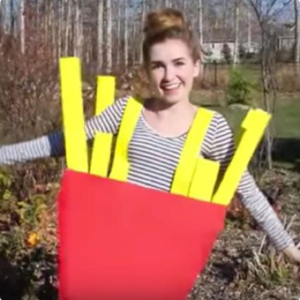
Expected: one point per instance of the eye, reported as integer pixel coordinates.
(154, 67)
(179, 63)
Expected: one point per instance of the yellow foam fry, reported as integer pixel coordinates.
(105, 92)
(254, 126)
(102, 146)
(131, 115)
(204, 179)
(101, 154)
(120, 170)
(249, 118)
(190, 153)
(73, 114)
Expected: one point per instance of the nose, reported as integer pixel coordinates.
(169, 73)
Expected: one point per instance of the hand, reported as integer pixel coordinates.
(293, 252)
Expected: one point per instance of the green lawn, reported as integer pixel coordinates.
(287, 118)
(285, 121)
(285, 125)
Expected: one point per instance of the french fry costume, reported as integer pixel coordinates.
(122, 241)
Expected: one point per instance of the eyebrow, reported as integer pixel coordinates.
(173, 60)
(178, 59)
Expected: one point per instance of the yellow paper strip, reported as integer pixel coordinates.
(105, 92)
(190, 153)
(73, 115)
(131, 115)
(254, 125)
(101, 154)
(204, 179)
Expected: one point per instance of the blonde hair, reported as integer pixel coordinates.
(168, 24)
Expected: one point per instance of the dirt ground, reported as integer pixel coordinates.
(238, 270)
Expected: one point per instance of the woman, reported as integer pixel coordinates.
(172, 61)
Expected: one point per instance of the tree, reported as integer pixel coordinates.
(100, 36)
(126, 29)
(108, 36)
(297, 32)
(3, 16)
(78, 29)
(22, 25)
(236, 31)
(143, 17)
(266, 12)
(200, 22)
(166, 3)
(68, 26)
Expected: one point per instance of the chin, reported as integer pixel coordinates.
(168, 101)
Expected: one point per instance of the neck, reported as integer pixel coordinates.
(166, 110)
(169, 120)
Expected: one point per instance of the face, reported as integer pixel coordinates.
(172, 70)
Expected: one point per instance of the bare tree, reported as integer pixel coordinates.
(236, 31)
(22, 25)
(108, 35)
(297, 32)
(68, 26)
(266, 11)
(100, 36)
(77, 44)
(119, 43)
(200, 22)
(3, 17)
(249, 28)
(13, 18)
(52, 25)
(126, 28)
(184, 5)
(60, 26)
(143, 16)
(166, 3)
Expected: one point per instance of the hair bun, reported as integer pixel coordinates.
(161, 21)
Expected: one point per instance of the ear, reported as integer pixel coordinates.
(197, 67)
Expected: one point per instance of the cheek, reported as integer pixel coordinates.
(189, 75)
(155, 76)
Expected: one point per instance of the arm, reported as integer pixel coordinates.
(52, 145)
(222, 150)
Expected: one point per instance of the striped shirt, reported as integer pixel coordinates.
(154, 159)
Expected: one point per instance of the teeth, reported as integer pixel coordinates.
(171, 86)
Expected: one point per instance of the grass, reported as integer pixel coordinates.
(287, 76)
(285, 121)
(287, 117)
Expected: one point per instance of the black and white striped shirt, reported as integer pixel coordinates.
(154, 158)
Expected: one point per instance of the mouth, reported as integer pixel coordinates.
(169, 88)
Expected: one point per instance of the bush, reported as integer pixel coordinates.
(227, 54)
(240, 89)
(28, 239)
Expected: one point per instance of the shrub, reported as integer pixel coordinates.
(28, 239)
(227, 53)
(240, 89)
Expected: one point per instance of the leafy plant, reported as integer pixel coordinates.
(227, 53)
(240, 88)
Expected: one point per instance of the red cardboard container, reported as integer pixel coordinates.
(122, 241)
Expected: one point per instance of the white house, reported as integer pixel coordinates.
(213, 50)
(251, 48)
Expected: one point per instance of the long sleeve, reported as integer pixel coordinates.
(52, 145)
(222, 150)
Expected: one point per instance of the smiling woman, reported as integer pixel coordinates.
(172, 61)
(172, 70)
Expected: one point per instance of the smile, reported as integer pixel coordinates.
(171, 87)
